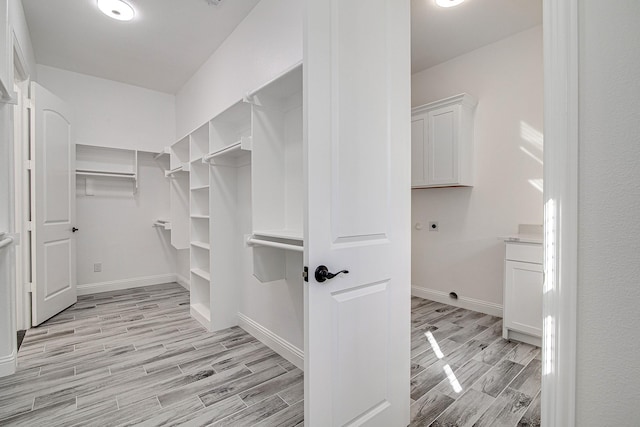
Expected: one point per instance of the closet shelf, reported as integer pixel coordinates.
(88, 172)
(237, 149)
(202, 187)
(200, 216)
(201, 245)
(201, 273)
(162, 223)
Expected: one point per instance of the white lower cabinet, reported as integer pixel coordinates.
(523, 293)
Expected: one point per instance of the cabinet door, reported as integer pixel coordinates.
(523, 297)
(418, 152)
(442, 146)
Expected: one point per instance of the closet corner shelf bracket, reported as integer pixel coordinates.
(164, 152)
(162, 223)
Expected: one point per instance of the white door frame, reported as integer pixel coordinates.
(561, 37)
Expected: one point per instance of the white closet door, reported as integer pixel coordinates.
(358, 173)
(54, 206)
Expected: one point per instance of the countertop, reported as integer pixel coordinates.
(524, 238)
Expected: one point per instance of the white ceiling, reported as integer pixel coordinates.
(160, 49)
(169, 39)
(440, 34)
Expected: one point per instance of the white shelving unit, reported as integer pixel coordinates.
(178, 173)
(106, 163)
(276, 171)
(199, 229)
(248, 155)
(229, 150)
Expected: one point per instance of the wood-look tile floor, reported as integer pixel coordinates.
(135, 357)
(463, 373)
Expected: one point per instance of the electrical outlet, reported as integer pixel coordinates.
(97, 267)
(433, 226)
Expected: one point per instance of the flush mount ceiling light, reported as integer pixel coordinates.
(448, 3)
(116, 9)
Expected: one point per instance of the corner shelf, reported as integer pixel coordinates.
(201, 273)
(200, 187)
(201, 245)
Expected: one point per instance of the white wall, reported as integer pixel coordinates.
(113, 114)
(115, 228)
(608, 339)
(266, 43)
(466, 255)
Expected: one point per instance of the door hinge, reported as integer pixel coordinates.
(28, 287)
(305, 273)
(29, 225)
(28, 164)
(28, 102)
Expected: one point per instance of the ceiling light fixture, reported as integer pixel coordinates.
(116, 9)
(448, 3)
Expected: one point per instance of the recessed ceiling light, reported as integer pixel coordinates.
(448, 3)
(116, 9)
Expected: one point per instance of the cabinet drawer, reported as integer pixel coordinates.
(524, 252)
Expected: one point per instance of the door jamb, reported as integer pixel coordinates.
(22, 79)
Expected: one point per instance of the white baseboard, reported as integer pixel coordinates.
(8, 364)
(117, 285)
(462, 302)
(183, 281)
(276, 343)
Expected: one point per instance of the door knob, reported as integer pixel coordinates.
(322, 273)
(73, 230)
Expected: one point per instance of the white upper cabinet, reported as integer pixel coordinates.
(442, 143)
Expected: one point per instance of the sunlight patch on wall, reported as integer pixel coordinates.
(531, 135)
(537, 184)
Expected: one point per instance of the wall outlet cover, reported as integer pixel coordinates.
(97, 267)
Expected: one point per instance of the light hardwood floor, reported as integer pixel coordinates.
(464, 374)
(135, 357)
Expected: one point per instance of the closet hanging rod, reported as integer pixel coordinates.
(233, 147)
(252, 241)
